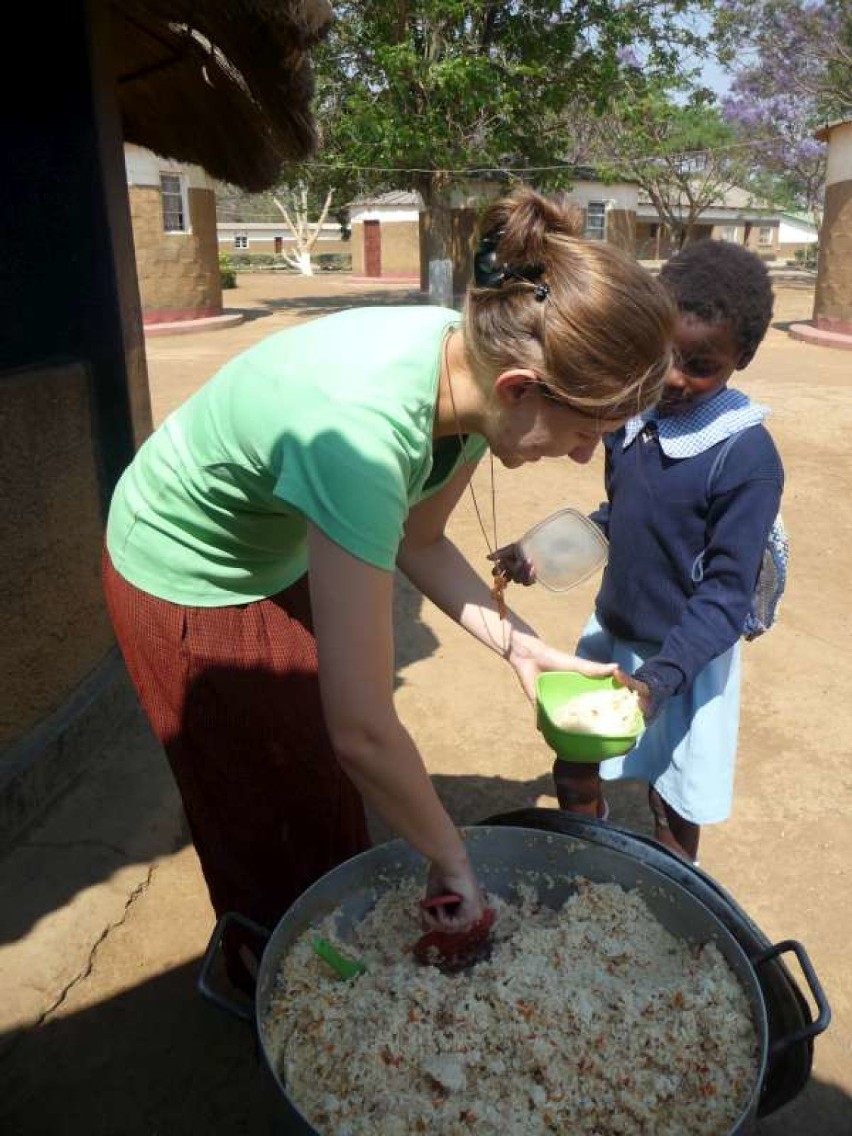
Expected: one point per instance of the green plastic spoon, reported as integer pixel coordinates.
(347, 968)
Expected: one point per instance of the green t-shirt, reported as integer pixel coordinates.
(330, 421)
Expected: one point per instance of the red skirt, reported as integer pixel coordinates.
(232, 694)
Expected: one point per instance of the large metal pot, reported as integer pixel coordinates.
(501, 852)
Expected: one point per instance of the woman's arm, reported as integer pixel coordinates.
(353, 621)
(438, 569)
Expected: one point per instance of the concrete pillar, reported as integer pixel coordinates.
(833, 300)
(832, 319)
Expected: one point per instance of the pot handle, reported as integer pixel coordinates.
(823, 1017)
(205, 987)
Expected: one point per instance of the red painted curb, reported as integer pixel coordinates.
(807, 333)
(187, 327)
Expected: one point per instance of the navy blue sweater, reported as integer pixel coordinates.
(658, 519)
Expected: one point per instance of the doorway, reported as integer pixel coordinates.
(372, 248)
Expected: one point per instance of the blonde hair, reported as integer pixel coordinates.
(600, 333)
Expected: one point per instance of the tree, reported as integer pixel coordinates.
(421, 93)
(295, 210)
(678, 153)
(296, 201)
(783, 159)
(792, 66)
(803, 47)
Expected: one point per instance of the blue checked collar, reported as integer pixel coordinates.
(710, 422)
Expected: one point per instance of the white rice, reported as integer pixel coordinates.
(609, 713)
(590, 1021)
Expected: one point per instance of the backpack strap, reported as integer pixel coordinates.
(772, 577)
(720, 459)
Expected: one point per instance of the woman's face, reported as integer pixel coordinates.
(705, 357)
(534, 423)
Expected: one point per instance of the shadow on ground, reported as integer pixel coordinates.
(125, 809)
(154, 1061)
(322, 305)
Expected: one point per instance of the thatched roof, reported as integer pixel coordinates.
(224, 84)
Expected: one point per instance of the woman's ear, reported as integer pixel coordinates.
(516, 383)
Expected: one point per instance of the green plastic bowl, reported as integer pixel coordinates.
(553, 690)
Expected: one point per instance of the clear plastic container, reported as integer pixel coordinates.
(564, 549)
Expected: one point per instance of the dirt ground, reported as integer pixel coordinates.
(105, 914)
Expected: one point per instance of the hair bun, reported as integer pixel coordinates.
(524, 220)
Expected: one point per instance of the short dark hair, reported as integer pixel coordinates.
(718, 281)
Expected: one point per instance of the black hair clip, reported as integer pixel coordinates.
(487, 273)
(530, 273)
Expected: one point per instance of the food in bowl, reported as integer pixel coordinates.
(611, 713)
(589, 1018)
(556, 689)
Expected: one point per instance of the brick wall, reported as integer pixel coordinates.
(178, 272)
(400, 248)
(53, 626)
(265, 246)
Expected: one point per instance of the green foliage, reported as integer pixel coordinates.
(679, 151)
(268, 262)
(807, 257)
(333, 261)
(407, 93)
(227, 272)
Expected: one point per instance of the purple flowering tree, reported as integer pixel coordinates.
(792, 67)
(782, 158)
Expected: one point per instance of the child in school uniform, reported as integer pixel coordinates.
(685, 548)
(685, 551)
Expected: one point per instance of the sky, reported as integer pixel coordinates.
(715, 77)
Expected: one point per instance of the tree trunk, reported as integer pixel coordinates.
(303, 262)
(437, 244)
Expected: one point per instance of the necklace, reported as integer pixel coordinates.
(500, 580)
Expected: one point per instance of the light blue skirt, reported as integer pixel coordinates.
(689, 751)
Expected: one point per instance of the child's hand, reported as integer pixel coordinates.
(646, 698)
(511, 563)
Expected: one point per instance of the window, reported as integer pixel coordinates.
(596, 221)
(729, 233)
(174, 206)
(764, 236)
(240, 241)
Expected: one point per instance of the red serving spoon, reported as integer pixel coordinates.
(452, 951)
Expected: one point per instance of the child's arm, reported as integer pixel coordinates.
(712, 621)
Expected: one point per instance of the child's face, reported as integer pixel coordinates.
(705, 357)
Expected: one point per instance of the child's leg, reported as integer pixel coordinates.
(672, 830)
(578, 787)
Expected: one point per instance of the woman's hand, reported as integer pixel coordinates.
(458, 880)
(530, 657)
